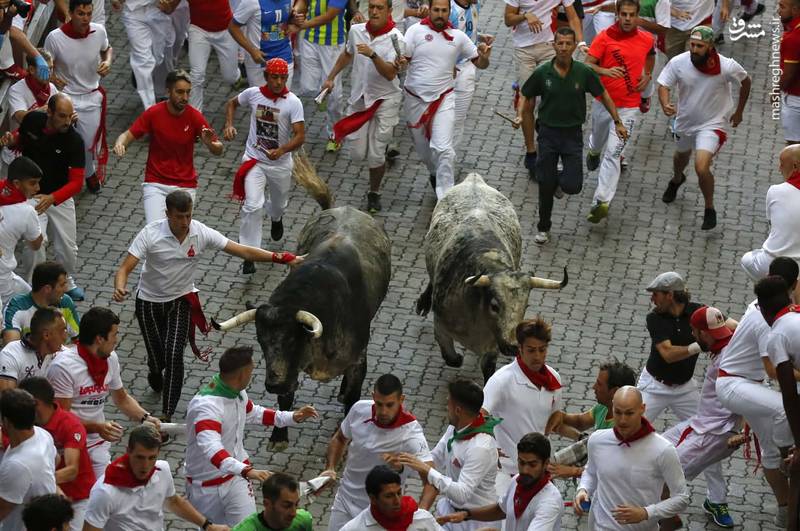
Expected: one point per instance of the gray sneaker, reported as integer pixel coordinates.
(541, 238)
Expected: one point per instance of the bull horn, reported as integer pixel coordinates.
(313, 324)
(233, 322)
(480, 281)
(546, 283)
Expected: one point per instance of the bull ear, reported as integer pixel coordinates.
(480, 281)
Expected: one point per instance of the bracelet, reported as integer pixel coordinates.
(373, 56)
(208, 523)
(144, 417)
(246, 470)
(283, 258)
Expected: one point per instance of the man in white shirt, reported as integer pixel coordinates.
(218, 471)
(433, 49)
(703, 79)
(743, 366)
(83, 377)
(167, 305)
(627, 468)
(372, 433)
(375, 96)
(277, 127)
(531, 501)
(465, 458)
(32, 355)
(524, 393)
(82, 56)
(18, 222)
(783, 216)
(28, 465)
(388, 508)
(136, 488)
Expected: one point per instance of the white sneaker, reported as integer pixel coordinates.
(541, 238)
(780, 517)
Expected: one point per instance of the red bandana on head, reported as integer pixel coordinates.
(396, 522)
(794, 179)
(10, 194)
(381, 31)
(543, 378)
(403, 417)
(427, 22)
(70, 31)
(97, 367)
(523, 495)
(644, 431)
(119, 474)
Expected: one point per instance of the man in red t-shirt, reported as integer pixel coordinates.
(74, 473)
(789, 11)
(623, 56)
(173, 126)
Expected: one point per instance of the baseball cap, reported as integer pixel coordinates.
(710, 319)
(702, 33)
(669, 281)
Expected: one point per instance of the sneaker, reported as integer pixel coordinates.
(373, 202)
(747, 17)
(644, 105)
(93, 184)
(432, 180)
(277, 230)
(672, 190)
(77, 294)
(592, 160)
(709, 219)
(156, 381)
(248, 267)
(623, 164)
(719, 512)
(241, 83)
(598, 212)
(332, 146)
(780, 517)
(558, 193)
(541, 238)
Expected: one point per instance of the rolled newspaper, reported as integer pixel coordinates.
(396, 44)
(321, 96)
(312, 486)
(572, 454)
(171, 428)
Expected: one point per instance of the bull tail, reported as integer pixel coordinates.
(306, 176)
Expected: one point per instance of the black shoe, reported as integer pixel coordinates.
(373, 202)
(432, 180)
(277, 230)
(709, 219)
(248, 267)
(747, 17)
(156, 381)
(93, 184)
(672, 190)
(391, 156)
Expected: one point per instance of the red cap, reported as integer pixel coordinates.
(710, 319)
(277, 66)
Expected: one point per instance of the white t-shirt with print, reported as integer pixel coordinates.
(18, 360)
(270, 124)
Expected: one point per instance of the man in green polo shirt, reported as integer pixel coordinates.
(281, 498)
(562, 85)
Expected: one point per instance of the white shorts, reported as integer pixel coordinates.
(100, 454)
(706, 140)
(370, 140)
(790, 117)
(698, 451)
(227, 504)
(79, 511)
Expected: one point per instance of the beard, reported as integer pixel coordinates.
(697, 59)
(527, 481)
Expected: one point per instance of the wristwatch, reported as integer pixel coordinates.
(373, 56)
(208, 523)
(144, 417)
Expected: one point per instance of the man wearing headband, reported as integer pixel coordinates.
(277, 128)
(703, 80)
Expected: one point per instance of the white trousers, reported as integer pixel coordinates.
(10, 285)
(59, 228)
(255, 73)
(437, 153)
(443, 507)
(756, 264)
(100, 454)
(257, 200)
(316, 63)
(88, 107)
(180, 25)
(762, 408)
(201, 42)
(790, 117)
(604, 140)
(99, 12)
(341, 513)
(227, 504)
(154, 196)
(150, 38)
(78, 512)
(464, 90)
(370, 141)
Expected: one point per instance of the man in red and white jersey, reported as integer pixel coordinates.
(82, 56)
(218, 472)
(85, 375)
(433, 49)
(277, 127)
(173, 127)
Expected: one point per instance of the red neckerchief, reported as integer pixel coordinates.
(239, 193)
(717, 347)
(712, 67)
(198, 321)
(97, 367)
(271, 95)
(794, 179)
(402, 418)
(644, 431)
(523, 495)
(617, 33)
(40, 91)
(396, 522)
(70, 31)
(10, 194)
(792, 308)
(119, 474)
(541, 378)
(427, 22)
(381, 31)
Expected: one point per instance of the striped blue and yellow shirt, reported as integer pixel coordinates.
(332, 33)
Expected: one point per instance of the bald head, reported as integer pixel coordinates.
(59, 112)
(628, 409)
(628, 397)
(789, 160)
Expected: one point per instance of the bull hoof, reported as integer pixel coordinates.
(278, 446)
(454, 360)
(424, 301)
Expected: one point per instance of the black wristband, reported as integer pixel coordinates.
(208, 523)
(144, 417)
(469, 515)
(373, 56)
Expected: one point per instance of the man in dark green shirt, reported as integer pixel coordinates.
(562, 85)
(281, 498)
